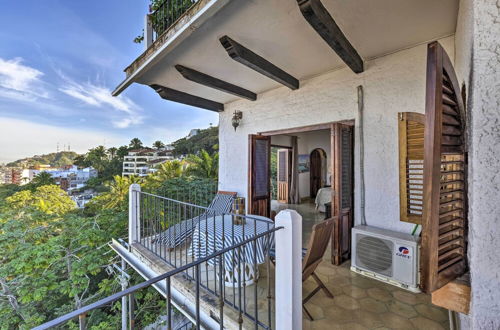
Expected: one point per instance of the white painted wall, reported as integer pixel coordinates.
(392, 84)
(478, 65)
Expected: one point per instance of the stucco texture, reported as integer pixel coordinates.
(392, 84)
(478, 48)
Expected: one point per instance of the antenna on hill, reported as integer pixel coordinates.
(57, 147)
(69, 147)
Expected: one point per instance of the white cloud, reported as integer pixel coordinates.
(20, 82)
(101, 97)
(20, 138)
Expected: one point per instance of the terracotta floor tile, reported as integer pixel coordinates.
(402, 309)
(395, 321)
(372, 305)
(346, 302)
(380, 294)
(368, 319)
(354, 291)
(433, 313)
(423, 323)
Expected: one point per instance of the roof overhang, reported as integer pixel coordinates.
(283, 34)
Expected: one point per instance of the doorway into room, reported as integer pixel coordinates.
(309, 169)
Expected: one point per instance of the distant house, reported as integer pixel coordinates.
(193, 132)
(141, 162)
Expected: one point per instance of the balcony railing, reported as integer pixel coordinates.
(213, 276)
(231, 278)
(166, 13)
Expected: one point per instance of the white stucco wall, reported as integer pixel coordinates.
(478, 54)
(392, 84)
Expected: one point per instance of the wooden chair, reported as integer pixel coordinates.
(321, 234)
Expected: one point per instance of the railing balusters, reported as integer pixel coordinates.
(197, 267)
(169, 304)
(167, 13)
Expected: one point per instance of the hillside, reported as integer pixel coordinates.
(207, 139)
(53, 159)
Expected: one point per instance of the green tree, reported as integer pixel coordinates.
(41, 179)
(168, 170)
(122, 152)
(49, 199)
(158, 144)
(207, 139)
(112, 152)
(203, 165)
(135, 143)
(117, 196)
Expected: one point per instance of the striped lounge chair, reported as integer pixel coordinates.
(177, 234)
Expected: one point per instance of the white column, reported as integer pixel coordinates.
(134, 233)
(148, 32)
(289, 270)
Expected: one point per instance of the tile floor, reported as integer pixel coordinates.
(360, 302)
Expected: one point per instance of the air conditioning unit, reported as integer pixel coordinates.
(387, 256)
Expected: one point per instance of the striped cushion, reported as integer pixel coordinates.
(178, 233)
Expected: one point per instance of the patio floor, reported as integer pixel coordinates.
(359, 302)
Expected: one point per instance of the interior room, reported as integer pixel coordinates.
(310, 193)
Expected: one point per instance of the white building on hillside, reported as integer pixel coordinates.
(141, 162)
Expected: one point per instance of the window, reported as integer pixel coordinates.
(411, 166)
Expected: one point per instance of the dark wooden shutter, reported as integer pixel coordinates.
(283, 175)
(445, 169)
(411, 166)
(259, 190)
(342, 199)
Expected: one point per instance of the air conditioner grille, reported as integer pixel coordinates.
(374, 254)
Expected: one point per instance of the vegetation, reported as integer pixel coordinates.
(55, 258)
(206, 139)
(55, 159)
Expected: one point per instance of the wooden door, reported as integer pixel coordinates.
(316, 172)
(444, 222)
(342, 192)
(283, 175)
(259, 175)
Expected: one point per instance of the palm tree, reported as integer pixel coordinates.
(112, 152)
(158, 144)
(118, 191)
(203, 165)
(135, 143)
(168, 170)
(42, 179)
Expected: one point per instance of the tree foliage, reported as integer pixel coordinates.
(203, 165)
(206, 139)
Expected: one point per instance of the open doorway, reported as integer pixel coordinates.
(309, 169)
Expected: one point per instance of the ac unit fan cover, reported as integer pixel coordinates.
(374, 254)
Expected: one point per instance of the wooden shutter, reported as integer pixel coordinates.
(342, 199)
(411, 166)
(283, 175)
(259, 190)
(445, 168)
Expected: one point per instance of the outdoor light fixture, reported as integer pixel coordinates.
(237, 115)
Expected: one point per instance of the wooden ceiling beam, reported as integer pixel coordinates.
(212, 82)
(185, 98)
(256, 62)
(321, 21)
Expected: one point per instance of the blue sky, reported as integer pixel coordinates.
(59, 61)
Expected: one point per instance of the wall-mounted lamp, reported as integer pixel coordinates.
(237, 116)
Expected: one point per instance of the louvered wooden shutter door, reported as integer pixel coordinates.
(259, 190)
(445, 207)
(411, 166)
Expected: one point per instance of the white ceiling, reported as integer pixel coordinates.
(276, 30)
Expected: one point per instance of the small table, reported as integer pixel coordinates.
(219, 232)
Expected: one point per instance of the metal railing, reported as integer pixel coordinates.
(220, 260)
(166, 13)
(180, 233)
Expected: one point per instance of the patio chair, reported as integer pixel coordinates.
(321, 234)
(312, 257)
(177, 234)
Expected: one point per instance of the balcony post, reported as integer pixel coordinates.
(148, 32)
(134, 233)
(289, 270)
